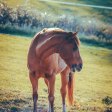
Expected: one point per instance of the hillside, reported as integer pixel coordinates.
(93, 83)
(55, 8)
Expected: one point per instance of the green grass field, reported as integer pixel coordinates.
(93, 83)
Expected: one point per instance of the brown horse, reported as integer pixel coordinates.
(54, 51)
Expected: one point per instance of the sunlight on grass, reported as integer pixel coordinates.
(14, 3)
(93, 83)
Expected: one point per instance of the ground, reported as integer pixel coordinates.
(92, 84)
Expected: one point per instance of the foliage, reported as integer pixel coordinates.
(25, 21)
(107, 100)
(14, 109)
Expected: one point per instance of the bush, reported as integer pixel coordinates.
(107, 100)
(27, 22)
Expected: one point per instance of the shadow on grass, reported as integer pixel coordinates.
(107, 101)
(21, 105)
(108, 110)
(12, 105)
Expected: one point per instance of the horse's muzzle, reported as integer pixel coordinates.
(76, 67)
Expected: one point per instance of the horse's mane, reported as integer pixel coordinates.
(51, 30)
(73, 36)
(69, 35)
(77, 40)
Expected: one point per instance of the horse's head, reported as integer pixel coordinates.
(69, 51)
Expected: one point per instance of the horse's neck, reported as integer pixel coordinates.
(48, 46)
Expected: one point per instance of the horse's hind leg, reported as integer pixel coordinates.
(34, 82)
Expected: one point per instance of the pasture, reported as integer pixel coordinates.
(93, 83)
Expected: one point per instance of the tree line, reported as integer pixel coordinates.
(32, 20)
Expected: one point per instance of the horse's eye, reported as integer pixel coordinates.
(75, 48)
(70, 40)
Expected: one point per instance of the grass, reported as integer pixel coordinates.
(93, 83)
(14, 30)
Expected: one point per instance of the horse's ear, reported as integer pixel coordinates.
(75, 33)
(69, 34)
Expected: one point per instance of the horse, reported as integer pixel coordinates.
(54, 51)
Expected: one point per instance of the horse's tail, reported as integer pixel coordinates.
(70, 89)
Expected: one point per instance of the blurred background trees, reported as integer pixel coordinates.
(21, 20)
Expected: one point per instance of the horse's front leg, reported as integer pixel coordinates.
(51, 88)
(63, 90)
(34, 82)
